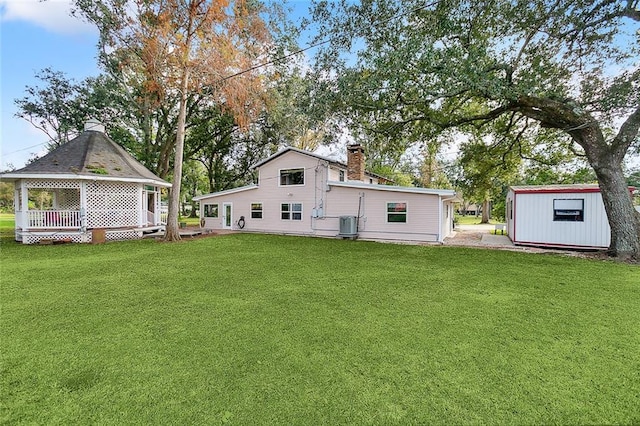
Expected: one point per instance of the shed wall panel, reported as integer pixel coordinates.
(534, 222)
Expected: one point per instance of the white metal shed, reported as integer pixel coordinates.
(564, 216)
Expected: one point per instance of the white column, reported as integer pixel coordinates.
(25, 204)
(142, 214)
(83, 205)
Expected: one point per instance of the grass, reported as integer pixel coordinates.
(7, 223)
(470, 220)
(254, 329)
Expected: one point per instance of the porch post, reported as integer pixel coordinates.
(157, 206)
(142, 212)
(24, 191)
(83, 206)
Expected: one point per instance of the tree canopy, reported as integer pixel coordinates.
(569, 67)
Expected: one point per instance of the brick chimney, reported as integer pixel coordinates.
(355, 162)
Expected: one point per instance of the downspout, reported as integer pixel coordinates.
(360, 199)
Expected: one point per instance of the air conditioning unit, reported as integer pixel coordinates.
(348, 226)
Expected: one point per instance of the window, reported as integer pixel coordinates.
(568, 210)
(291, 211)
(256, 210)
(397, 212)
(292, 177)
(341, 176)
(210, 210)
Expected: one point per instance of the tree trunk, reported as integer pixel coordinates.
(606, 160)
(622, 217)
(172, 232)
(605, 157)
(485, 211)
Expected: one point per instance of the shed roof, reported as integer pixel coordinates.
(91, 155)
(566, 188)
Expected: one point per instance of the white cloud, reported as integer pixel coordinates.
(53, 15)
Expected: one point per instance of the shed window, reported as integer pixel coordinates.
(210, 210)
(291, 211)
(256, 210)
(397, 212)
(571, 210)
(292, 177)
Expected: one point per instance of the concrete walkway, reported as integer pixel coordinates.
(479, 236)
(496, 240)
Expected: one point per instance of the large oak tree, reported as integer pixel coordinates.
(567, 65)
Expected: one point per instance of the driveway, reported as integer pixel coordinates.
(479, 236)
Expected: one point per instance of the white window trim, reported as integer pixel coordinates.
(386, 211)
(555, 210)
(291, 203)
(251, 210)
(211, 204)
(304, 176)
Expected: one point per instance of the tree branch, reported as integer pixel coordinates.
(628, 133)
(631, 10)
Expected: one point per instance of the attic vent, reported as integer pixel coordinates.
(348, 226)
(94, 125)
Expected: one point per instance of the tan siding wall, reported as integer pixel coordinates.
(334, 174)
(272, 195)
(422, 217)
(422, 214)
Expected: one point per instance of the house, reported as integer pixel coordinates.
(86, 190)
(302, 193)
(563, 216)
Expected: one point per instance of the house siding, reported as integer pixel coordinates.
(422, 214)
(533, 222)
(324, 202)
(272, 195)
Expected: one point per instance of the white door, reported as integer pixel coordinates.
(227, 214)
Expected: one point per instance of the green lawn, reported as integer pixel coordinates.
(470, 220)
(7, 222)
(253, 329)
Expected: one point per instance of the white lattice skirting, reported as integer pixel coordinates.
(36, 237)
(77, 237)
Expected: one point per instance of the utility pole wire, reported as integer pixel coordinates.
(320, 43)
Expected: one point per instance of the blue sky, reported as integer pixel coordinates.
(35, 35)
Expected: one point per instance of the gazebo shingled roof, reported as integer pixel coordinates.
(91, 154)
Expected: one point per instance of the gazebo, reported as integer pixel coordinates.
(87, 190)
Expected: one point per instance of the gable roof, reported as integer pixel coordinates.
(91, 155)
(313, 155)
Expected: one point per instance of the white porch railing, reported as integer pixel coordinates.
(53, 219)
(163, 216)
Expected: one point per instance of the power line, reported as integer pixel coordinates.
(320, 43)
(23, 149)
